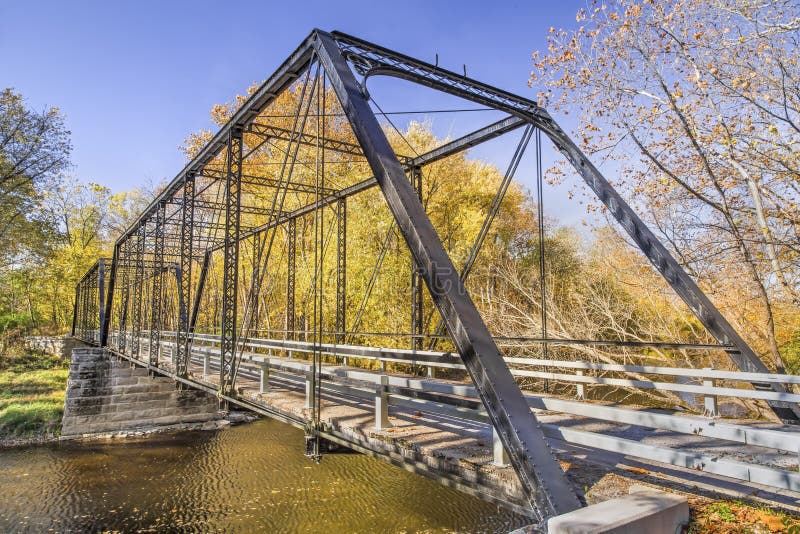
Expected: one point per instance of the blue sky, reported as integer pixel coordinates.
(134, 79)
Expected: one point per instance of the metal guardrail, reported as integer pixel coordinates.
(461, 401)
(446, 360)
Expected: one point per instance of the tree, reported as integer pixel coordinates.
(34, 149)
(457, 192)
(698, 103)
(87, 218)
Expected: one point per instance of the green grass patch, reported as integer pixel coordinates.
(32, 389)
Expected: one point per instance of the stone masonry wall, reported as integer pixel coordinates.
(60, 346)
(106, 395)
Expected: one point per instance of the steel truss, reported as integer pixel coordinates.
(217, 202)
(89, 317)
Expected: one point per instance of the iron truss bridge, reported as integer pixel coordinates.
(240, 268)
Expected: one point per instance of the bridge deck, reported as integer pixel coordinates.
(457, 450)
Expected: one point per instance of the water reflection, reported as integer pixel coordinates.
(251, 478)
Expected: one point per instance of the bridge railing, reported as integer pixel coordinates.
(709, 390)
(461, 401)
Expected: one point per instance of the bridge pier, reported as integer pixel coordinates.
(107, 396)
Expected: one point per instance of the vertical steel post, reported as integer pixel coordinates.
(75, 309)
(86, 309)
(124, 273)
(185, 276)
(156, 311)
(416, 280)
(291, 269)
(101, 304)
(138, 280)
(230, 274)
(79, 310)
(108, 302)
(341, 269)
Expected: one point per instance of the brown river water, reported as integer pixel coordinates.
(248, 478)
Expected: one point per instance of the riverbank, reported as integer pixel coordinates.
(732, 516)
(32, 389)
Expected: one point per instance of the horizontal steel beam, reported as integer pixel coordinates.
(265, 181)
(327, 143)
(448, 149)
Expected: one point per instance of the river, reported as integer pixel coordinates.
(247, 478)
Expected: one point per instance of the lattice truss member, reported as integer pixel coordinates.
(252, 239)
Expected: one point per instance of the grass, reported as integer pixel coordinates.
(32, 388)
(729, 516)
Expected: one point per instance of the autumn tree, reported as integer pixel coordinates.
(698, 105)
(457, 192)
(34, 149)
(87, 218)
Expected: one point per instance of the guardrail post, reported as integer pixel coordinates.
(431, 372)
(263, 383)
(580, 392)
(206, 364)
(499, 456)
(309, 389)
(711, 409)
(382, 403)
(382, 365)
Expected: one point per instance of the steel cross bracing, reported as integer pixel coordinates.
(226, 196)
(416, 276)
(230, 268)
(291, 270)
(123, 253)
(157, 287)
(185, 276)
(341, 268)
(138, 283)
